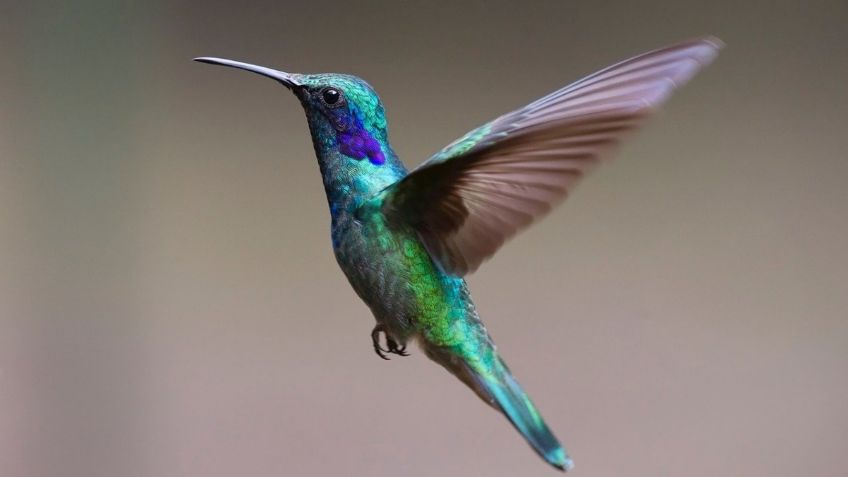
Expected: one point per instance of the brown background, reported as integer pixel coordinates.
(169, 305)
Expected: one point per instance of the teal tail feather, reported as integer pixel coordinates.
(507, 396)
(491, 380)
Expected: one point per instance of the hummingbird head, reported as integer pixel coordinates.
(345, 114)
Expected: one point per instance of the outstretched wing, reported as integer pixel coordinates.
(479, 191)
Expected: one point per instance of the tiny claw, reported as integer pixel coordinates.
(375, 339)
(380, 354)
(391, 345)
(394, 348)
(400, 350)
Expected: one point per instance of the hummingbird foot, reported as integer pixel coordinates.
(391, 345)
(394, 348)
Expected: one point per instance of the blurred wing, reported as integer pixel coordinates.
(476, 193)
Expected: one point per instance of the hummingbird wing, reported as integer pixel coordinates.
(468, 199)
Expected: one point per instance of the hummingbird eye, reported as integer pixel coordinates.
(331, 97)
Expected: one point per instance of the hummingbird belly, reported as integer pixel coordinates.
(394, 275)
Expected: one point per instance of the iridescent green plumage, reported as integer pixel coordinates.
(404, 240)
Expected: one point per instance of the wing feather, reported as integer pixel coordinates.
(480, 190)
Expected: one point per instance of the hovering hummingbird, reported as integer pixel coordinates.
(405, 239)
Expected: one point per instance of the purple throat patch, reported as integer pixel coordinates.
(356, 142)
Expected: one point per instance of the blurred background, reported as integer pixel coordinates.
(170, 306)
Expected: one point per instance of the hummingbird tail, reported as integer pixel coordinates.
(499, 388)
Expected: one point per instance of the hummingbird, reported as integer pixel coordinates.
(405, 239)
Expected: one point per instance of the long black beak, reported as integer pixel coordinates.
(287, 79)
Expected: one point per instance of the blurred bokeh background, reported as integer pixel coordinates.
(169, 305)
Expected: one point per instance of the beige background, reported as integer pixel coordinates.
(169, 305)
